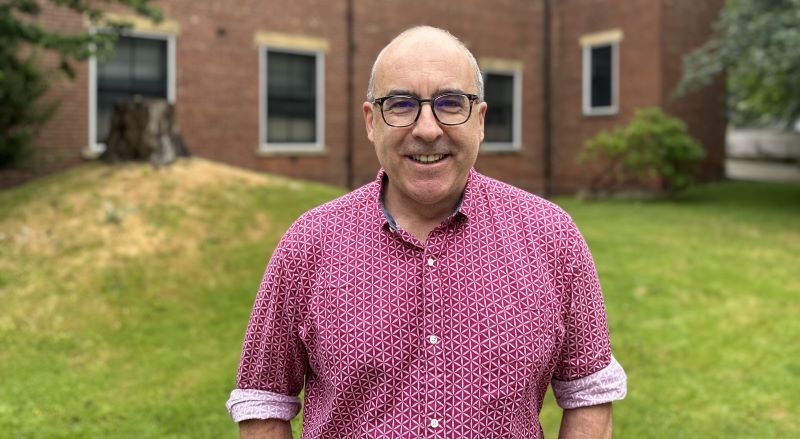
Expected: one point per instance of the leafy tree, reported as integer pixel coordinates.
(652, 145)
(22, 84)
(757, 42)
(23, 80)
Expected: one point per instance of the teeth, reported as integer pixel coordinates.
(428, 158)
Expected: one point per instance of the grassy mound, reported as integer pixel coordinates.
(125, 292)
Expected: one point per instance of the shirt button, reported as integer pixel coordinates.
(434, 423)
(430, 262)
(433, 339)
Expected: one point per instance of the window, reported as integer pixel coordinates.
(600, 78)
(140, 65)
(503, 94)
(292, 116)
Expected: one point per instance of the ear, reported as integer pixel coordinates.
(482, 107)
(368, 110)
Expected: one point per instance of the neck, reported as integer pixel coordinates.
(419, 219)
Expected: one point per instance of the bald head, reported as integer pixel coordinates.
(419, 37)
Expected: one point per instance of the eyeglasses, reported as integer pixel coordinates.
(448, 109)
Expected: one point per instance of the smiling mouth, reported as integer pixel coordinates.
(428, 159)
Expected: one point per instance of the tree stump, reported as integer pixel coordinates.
(144, 129)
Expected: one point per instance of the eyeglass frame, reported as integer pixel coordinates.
(379, 102)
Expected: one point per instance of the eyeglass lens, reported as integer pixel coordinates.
(448, 109)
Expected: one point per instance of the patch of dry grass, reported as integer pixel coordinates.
(104, 217)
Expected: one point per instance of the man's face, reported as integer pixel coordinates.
(425, 68)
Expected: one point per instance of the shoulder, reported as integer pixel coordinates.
(348, 204)
(522, 206)
(319, 224)
(346, 207)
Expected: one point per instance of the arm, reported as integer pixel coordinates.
(587, 377)
(265, 429)
(592, 422)
(273, 362)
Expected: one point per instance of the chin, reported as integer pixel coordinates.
(430, 196)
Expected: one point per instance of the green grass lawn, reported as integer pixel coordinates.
(124, 295)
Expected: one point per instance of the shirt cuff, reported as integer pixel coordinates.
(260, 404)
(605, 385)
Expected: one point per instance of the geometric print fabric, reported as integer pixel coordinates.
(456, 338)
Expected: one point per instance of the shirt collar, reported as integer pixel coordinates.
(465, 207)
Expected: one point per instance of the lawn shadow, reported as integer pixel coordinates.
(777, 198)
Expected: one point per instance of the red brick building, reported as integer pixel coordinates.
(277, 86)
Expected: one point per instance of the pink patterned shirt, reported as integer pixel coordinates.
(456, 338)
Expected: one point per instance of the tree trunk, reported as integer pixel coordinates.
(144, 129)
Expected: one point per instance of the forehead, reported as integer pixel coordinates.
(424, 64)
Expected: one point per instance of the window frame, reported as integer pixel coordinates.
(608, 110)
(96, 148)
(265, 147)
(516, 119)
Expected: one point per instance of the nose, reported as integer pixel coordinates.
(427, 128)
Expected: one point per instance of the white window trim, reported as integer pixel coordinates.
(97, 148)
(290, 147)
(612, 109)
(516, 121)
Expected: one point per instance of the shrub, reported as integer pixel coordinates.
(652, 145)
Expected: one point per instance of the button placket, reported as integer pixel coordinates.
(435, 379)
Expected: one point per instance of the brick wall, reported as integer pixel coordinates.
(639, 76)
(656, 35)
(217, 79)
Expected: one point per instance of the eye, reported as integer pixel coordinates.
(450, 103)
(399, 105)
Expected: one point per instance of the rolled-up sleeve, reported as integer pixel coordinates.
(273, 362)
(586, 372)
(259, 404)
(606, 385)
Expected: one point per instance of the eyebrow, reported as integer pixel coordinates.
(438, 92)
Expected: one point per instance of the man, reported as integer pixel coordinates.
(433, 302)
